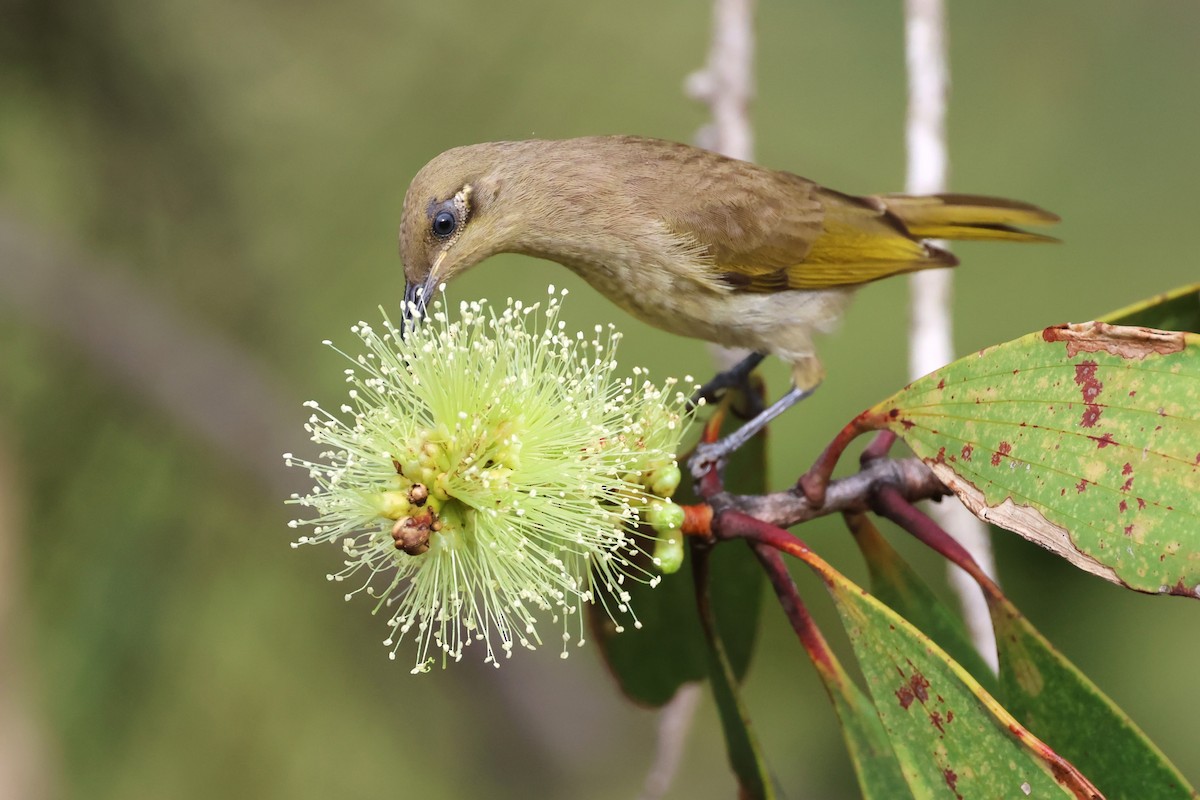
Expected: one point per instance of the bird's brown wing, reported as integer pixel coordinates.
(781, 232)
(759, 230)
(767, 231)
(753, 225)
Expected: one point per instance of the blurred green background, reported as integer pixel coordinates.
(194, 194)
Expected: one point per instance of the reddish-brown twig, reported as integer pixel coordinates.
(890, 503)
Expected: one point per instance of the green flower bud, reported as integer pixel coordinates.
(664, 516)
(668, 553)
(664, 480)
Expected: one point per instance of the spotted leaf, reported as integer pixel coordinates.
(1083, 438)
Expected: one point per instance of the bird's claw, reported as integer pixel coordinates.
(737, 376)
(705, 457)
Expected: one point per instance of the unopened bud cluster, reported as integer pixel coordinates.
(491, 471)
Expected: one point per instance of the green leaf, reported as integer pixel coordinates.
(721, 604)
(1082, 438)
(1057, 702)
(951, 737)
(741, 744)
(875, 765)
(1176, 310)
(651, 663)
(895, 583)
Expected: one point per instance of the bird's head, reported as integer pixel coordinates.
(452, 219)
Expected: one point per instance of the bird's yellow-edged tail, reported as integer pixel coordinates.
(967, 217)
(865, 239)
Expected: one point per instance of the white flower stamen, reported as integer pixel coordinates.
(487, 471)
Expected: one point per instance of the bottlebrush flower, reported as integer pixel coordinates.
(488, 472)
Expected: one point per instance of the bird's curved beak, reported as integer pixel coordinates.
(416, 295)
(414, 301)
(413, 311)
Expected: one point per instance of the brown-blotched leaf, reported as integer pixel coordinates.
(951, 737)
(875, 765)
(1083, 438)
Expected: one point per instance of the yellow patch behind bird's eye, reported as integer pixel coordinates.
(462, 206)
(461, 203)
(464, 196)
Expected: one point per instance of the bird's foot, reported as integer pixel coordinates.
(737, 375)
(708, 456)
(713, 454)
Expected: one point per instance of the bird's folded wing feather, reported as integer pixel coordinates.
(779, 231)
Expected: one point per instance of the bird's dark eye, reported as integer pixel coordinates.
(444, 223)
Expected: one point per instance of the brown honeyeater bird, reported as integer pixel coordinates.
(685, 239)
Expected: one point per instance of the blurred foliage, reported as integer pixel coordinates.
(246, 161)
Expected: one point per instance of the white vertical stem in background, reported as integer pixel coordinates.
(726, 83)
(726, 86)
(930, 341)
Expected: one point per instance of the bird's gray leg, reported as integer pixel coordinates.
(736, 375)
(708, 454)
